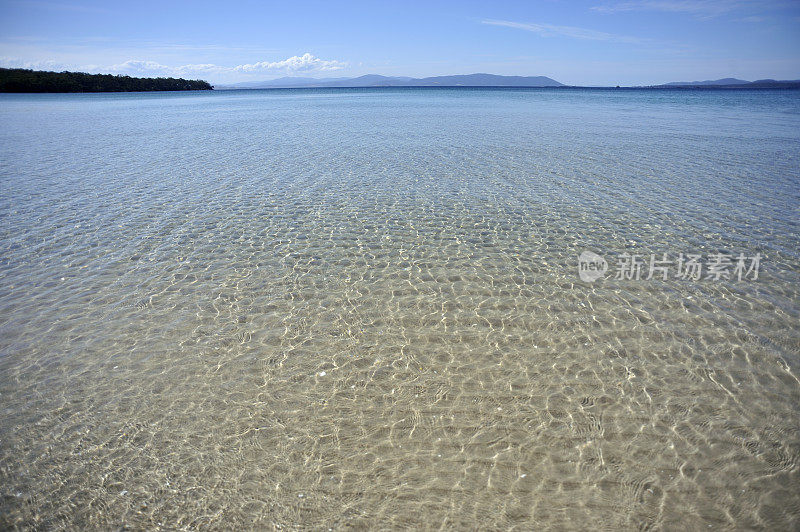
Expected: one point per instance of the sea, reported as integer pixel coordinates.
(400, 308)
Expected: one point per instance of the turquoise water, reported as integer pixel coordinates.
(361, 308)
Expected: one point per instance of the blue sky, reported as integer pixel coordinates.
(596, 42)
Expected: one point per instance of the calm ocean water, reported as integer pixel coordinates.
(362, 308)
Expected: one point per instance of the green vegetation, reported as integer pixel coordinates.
(21, 80)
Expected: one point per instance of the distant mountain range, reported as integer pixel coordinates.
(490, 80)
(20, 80)
(733, 83)
(374, 80)
(723, 81)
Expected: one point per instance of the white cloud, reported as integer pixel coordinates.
(303, 63)
(55, 66)
(150, 68)
(701, 8)
(549, 30)
(206, 67)
(140, 67)
(306, 63)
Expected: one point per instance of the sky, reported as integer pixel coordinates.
(576, 42)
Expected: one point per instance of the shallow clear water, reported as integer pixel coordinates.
(350, 308)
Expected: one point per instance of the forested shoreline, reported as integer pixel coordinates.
(24, 80)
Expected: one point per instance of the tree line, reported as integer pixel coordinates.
(23, 80)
